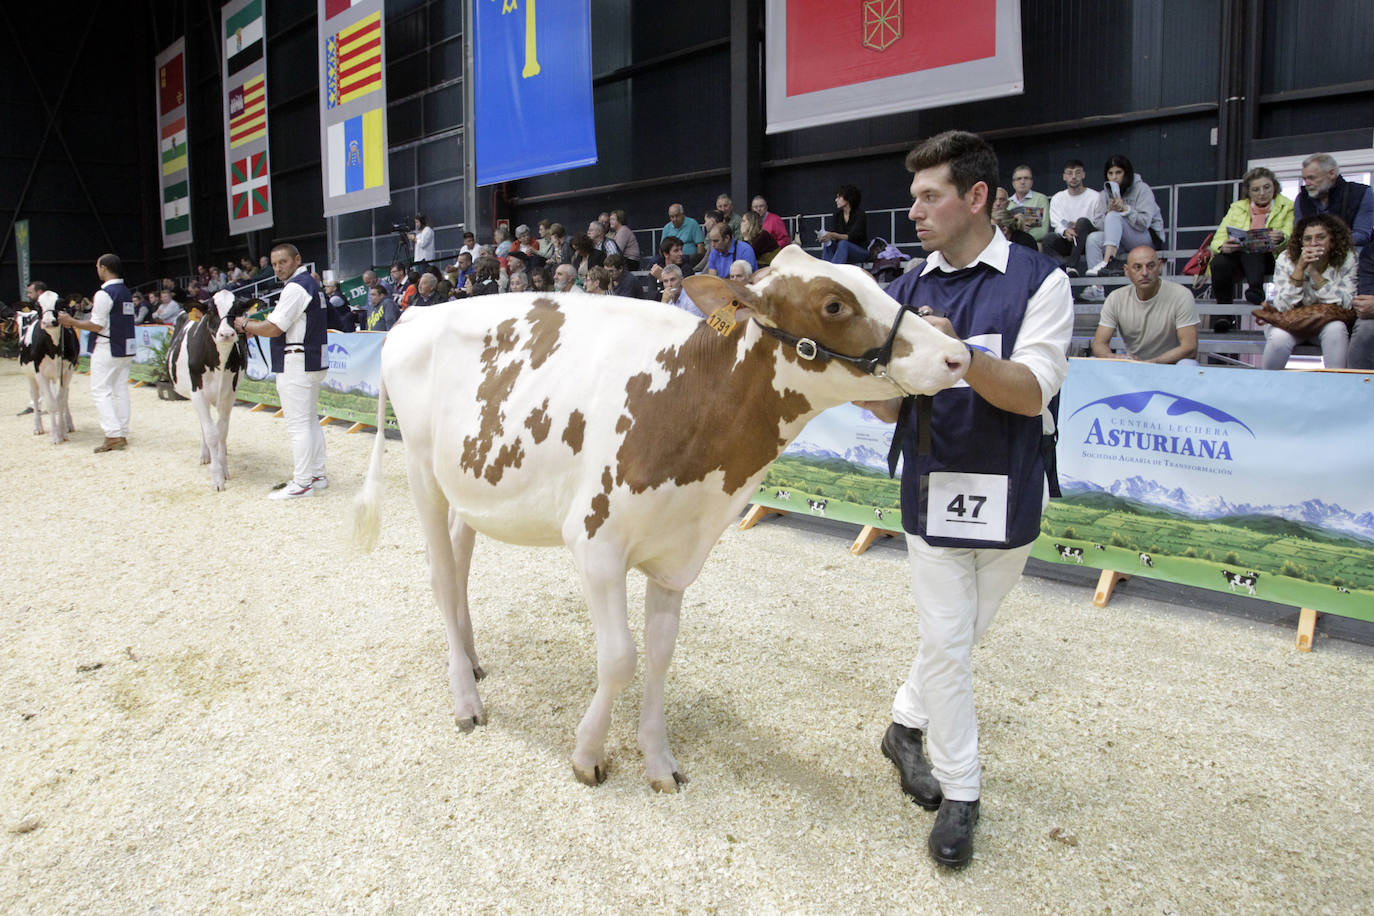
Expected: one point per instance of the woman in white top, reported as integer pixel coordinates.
(1318, 265)
(423, 238)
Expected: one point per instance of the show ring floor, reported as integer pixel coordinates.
(208, 703)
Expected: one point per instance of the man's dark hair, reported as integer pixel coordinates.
(39, 286)
(582, 243)
(852, 194)
(615, 260)
(558, 230)
(715, 215)
(112, 263)
(1075, 164)
(397, 265)
(970, 159)
(1117, 160)
(291, 250)
(469, 235)
(621, 217)
(725, 231)
(668, 244)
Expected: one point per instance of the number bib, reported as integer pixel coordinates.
(970, 507)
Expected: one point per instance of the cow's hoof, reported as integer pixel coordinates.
(468, 723)
(204, 459)
(594, 775)
(478, 673)
(38, 432)
(669, 785)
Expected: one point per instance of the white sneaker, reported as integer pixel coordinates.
(1097, 268)
(319, 483)
(1094, 294)
(292, 491)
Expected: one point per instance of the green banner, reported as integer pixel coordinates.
(21, 241)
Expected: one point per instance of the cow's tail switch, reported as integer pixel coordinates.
(367, 505)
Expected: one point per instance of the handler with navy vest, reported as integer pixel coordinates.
(299, 332)
(112, 346)
(974, 456)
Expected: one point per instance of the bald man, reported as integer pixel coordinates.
(1156, 319)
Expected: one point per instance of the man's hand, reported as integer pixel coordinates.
(67, 321)
(884, 410)
(656, 271)
(1364, 306)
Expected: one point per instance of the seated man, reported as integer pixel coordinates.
(670, 251)
(675, 295)
(726, 250)
(683, 227)
(1029, 208)
(168, 309)
(382, 311)
(1325, 191)
(727, 212)
(1157, 320)
(1361, 355)
(565, 279)
(623, 281)
(772, 223)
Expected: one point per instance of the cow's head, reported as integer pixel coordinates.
(836, 314)
(225, 307)
(48, 308)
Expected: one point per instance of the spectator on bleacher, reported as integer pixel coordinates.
(562, 249)
(727, 212)
(333, 296)
(675, 295)
(1362, 338)
(772, 223)
(216, 281)
(395, 280)
(500, 237)
(469, 245)
(232, 272)
(265, 271)
(1008, 224)
(565, 279)
(1028, 207)
(687, 230)
(709, 219)
(1157, 319)
(1260, 207)
(765, 247)
(597, 233)
(624, 238)
(1317, 265)
(1125, 220)
(623, 282)
(486, 279)
(524, 241)
(726, 250)
(168, 308)
(519, 282)
(142, 308)
(585, 255)
(247, 272)
(670, 251)
(598, 281)
(545, 242)
(740, 271)
(369, 278)
(541, 281)
(458, 274)
(382, 309)
(847, 243)
(1325, 191)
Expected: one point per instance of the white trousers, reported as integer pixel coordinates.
(957, 594)
(300, 395)
(110, 391)
(1334, 338)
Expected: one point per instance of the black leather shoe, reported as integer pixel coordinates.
(902, 746)
(951, 839)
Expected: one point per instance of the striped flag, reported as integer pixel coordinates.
(176, 208)
(353, 61)
(248, 111)
(356, 153)
(248, 185)
(174, 146)
(333, 8)
(243, 37)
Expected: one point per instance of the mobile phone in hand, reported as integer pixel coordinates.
(1113, 189)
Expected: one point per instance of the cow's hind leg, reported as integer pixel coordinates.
(67, 372)
(461, 538)
(36, 401)
(662, 607)
(432, 507)
(603, 582)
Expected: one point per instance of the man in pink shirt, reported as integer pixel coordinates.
(772, 223)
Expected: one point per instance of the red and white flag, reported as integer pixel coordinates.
(842, 60)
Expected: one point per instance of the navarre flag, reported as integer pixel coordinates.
(174, 146)
(356, 153)
(353, 61)
(248, 185)
(333, 8)
(176, 208)
(243, 33)
(248, 111)
(171, 84)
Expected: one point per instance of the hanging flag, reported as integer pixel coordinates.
(248, 111)
(243, 36)
(352, 73)
(247, 177)
(832, 61)
(173, 173)
(354, 61)
(532, 76)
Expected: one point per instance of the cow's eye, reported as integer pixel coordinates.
(833, 308)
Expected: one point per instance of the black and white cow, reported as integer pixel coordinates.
(1147, 560)
(205, 362)
(1234, 579)
(878, 514)
(783, 494)
(50, 352)
(1099, 547)
(1342, 589)
(817, 505)
(1070, 553)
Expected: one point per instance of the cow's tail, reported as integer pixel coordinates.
(367, 505)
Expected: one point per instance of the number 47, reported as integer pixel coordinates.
(957, 507)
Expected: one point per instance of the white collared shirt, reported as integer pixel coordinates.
(101, 304)
(289, 315)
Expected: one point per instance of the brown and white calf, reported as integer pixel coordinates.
(205, 362)
(50, 351)
(629, 432)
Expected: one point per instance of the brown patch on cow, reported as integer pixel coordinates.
(797, 306)
(546, 321)
(539, 422)
(495, 387)
(577, 428)
(601, 504)
(507, 456)
(623, 423)
(713, 415)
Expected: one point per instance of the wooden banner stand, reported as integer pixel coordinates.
(867, 535)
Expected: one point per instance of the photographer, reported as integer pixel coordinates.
(423, 239)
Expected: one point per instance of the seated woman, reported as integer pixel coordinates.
(751, 230)
(1318, 265)
(1260, 207)
(847, 243)
(585, 255)
(1009, 225)
(1126, 219)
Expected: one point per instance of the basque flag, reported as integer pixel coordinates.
(250, 191)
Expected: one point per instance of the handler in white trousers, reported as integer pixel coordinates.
(298, 331)
(111, 329)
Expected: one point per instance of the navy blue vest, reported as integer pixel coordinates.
(967, 434)
(120, 330)
(316, 342)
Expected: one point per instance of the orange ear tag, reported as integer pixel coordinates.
(722, 320)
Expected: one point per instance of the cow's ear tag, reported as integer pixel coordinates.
(722, 320)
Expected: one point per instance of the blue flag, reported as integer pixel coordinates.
(532, 88)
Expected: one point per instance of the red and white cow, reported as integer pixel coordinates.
(631, 433)
(51, 352)
(205, 361)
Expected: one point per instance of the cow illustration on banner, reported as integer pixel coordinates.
(248, 176)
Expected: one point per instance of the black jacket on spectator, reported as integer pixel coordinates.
(856, 228)
(628, 286)
(1343, 200)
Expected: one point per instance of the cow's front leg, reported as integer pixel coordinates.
(67, 373)
(603, 582)
(209, 438)
(226, 404)
(662, 607)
